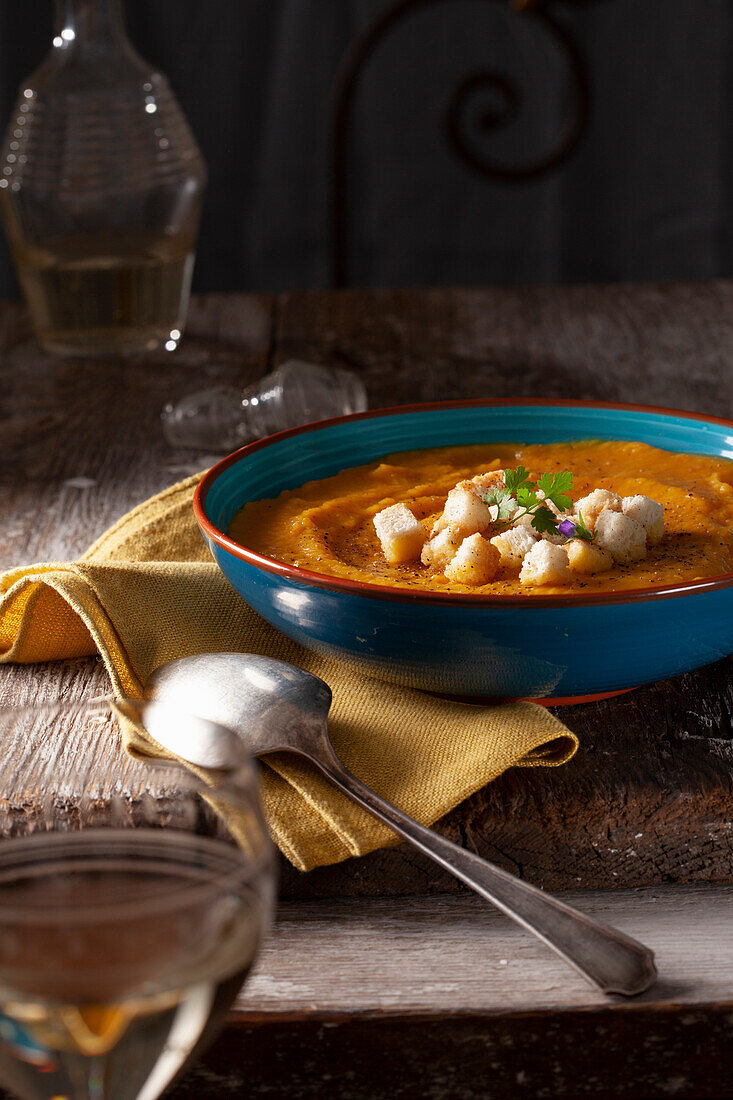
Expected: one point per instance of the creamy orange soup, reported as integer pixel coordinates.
(327, 526)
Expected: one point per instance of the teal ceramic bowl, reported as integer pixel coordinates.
(556, 647)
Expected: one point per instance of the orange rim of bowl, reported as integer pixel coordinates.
(308, 578)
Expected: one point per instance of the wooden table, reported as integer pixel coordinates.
(365, 991)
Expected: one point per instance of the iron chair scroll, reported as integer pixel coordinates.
(360, 52)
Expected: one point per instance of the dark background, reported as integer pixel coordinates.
(647, 196)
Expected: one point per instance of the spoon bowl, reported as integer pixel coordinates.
(271, 705)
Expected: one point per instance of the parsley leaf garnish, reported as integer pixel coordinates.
(504, 502)
(520, 496)
(517, 479)
(556, 487)
(527, 497)
(544, 521)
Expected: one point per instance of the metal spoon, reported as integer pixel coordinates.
(276, 707)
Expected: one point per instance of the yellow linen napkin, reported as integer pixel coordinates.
(147, 592)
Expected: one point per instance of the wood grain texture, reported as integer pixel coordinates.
(446, 955)
(648, 798)
(444, 998)
(655, 344)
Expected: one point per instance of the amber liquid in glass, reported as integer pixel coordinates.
(121, 961)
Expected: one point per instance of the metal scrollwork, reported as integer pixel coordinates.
(505, 91)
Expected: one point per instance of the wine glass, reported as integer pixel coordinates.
(129, 914)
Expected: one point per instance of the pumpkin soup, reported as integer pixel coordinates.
(504, 519)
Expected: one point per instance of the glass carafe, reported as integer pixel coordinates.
(101, 186)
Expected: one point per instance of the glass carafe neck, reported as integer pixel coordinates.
(95, 23)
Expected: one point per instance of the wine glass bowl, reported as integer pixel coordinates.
(127, 924)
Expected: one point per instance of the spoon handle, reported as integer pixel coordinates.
(613, 962)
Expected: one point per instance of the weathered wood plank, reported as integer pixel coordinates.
(74, 770)
(647, 800)
(449, 954)
(445, 997)
(654, 344)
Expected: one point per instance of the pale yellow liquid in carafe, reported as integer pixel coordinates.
(88, 295)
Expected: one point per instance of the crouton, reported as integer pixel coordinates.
(590, 507)
(522, 521)
(545, 563)
(513, 545)
(584, 557)
(553, 537)
(622, 536)
(401, 535)
(477, 562)
(648, 513)
(441, 549)
(464, 511)
(485, 483)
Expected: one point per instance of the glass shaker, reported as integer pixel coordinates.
(223, 418)
(101, 186)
